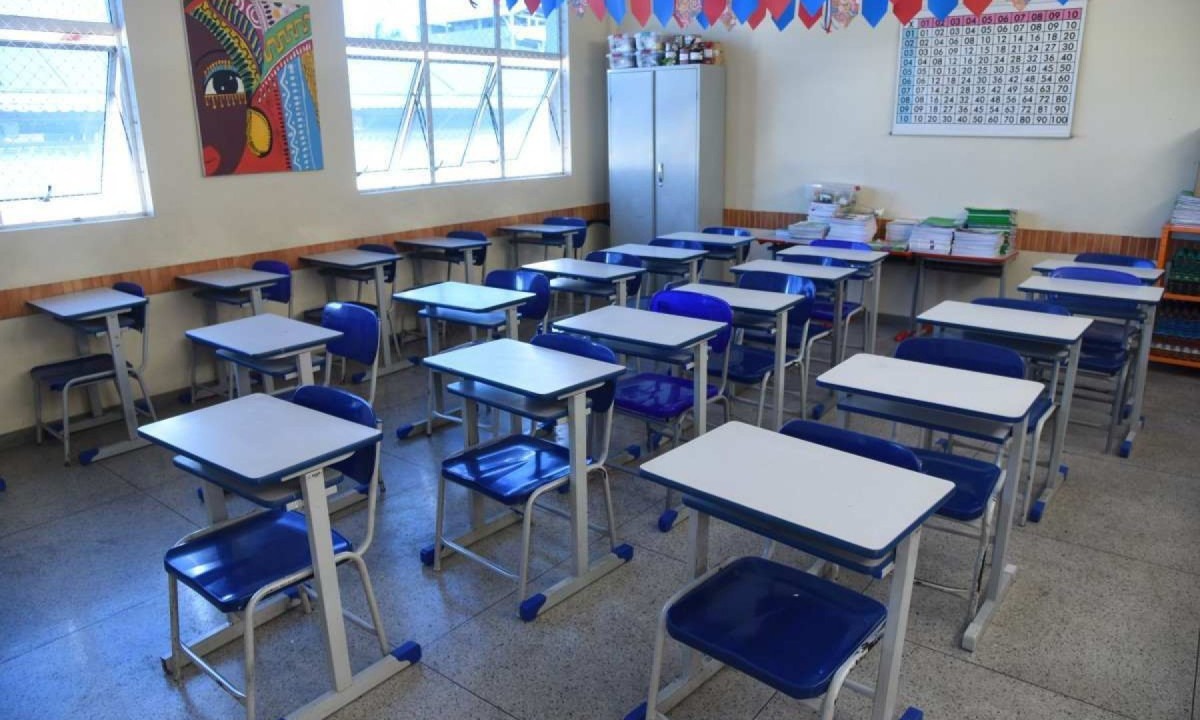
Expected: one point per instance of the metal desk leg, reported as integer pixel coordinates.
(672, 515)
(887, 685)
(1056, 468)
(873, 328)
(304, 368)
(916, 300)
(1139, 382)
(781, 329)
(124, 392)
(839, 323)
(1004, 279)
(256, 300)
(83, 348)
(694, 270)
(1002, 573)
(622, 291)
(584, 572)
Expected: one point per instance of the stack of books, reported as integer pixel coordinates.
(980, 243)
(898, 234)
(933, 235)
(1187, 210)
(807, 231)
(822, 211)
(991, 218)
(853, 226)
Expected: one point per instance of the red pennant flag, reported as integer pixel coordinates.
(808, 20)
(713, 10)
(641, 11)
(977, 6)
(906, 10)
(533, 5)
(758, 16)
(777, 7)
(598, 8)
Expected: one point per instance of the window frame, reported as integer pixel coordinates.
(420, 110)
(120, 98)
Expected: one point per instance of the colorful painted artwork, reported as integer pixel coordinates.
(255, 84)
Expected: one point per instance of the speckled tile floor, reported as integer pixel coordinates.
(1103, 620)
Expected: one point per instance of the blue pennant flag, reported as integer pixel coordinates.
(511, 3)
(788, 15)
(616, 8)
(743, 9)
(549, 6)
(941, 8)
(874, 10)
(663, 10)
(812, 6)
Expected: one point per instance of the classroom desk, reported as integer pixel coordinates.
(683, 258)
(266, 336)
(264, 441)
(1147, 299)
(547, 236)
(872, 259)
(913, 390)
(455, 297)
(996, 267)
(1032, 334)
(765, 304)
(234, 281)
(106, 304)
(547, 375)
(1148, 276)
(364, 260)
(596, 272)
(863, 507)
(441, 248)
(739, 244)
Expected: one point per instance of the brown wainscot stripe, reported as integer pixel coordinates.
(163, 279)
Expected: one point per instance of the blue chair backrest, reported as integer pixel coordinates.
(480, 254)
(360, 466)
(852, 442)
(815, 260)
(137, 314)
(695, 305)
(725, 230)
(601, 397)
(783, 283)
(281, 291)
(681, 245)
(843, 244)
(1102, 307)
(964, 355)
(526, 281)
(620, 258)
(1114, 259)
(1019, 304)
(389, 270)
(580, 238)
(360, 331)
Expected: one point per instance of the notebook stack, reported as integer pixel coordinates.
(934, 235)
(898, 234)
(822, 211)
(991, 219)
(980, 243)
(853, 226)
(806, 231)
(1187, 210)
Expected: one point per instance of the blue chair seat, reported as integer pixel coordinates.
(57, 375)
(661, 397)
(1107, 336)
(1104, 363)
(748, 365)
(823, 311)
(1041, 406)
(768, 338)
(228, 566)
(974, 481)
(509, 471)
(278, 368)
(778, 624)
(463, 317)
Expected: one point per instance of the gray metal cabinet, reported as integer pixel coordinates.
(666, 150)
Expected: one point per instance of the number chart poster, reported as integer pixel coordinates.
(1004, 74)
(255, 85)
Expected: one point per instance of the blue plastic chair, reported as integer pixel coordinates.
(278, 292)
(359, 342)
(518, 469)
(579, 238)
(802, 335)
(1114, 259)
(85, 371)
(234, 567)
(842, 244)
(823, 310)
(478, 255)
(361, 278)
(795, 631)
(977, 484)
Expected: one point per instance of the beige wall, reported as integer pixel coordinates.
(198, 218)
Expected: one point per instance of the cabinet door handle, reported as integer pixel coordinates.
(659, 174)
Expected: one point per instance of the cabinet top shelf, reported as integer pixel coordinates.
(1189, 229)
(707, 67)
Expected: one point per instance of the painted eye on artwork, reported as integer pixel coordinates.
(224, 82)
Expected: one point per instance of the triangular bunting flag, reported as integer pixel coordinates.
(616, 8)
(663, 10)
(789, 13)
(686, 11)
(809, 19)
(844, 12)
(728, 19)
(511, 3)
(743, 9)
(549, 6)
(813, 7)
(977, 6)
(714, 8)
(777, 7)
(905, 10)
(640, 10)
(941, 8)
(532, 5)
(757, 17)
(874, 10)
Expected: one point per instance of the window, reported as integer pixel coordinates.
(446, 91)
(69, 140)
